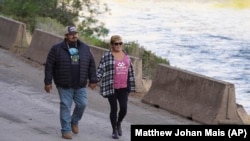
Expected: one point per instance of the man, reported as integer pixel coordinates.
(70, 64)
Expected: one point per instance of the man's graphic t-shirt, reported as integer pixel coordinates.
(74, 54)
(75, 67)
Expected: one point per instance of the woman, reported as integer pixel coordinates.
(115, 72)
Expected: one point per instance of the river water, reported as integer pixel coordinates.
(193, 35)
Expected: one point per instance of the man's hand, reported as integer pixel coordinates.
(92, 85)
(47, 88)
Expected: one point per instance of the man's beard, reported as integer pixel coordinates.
(72, 43)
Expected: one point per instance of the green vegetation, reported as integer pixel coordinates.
(53, 15)
(66, 12)
(149, 59)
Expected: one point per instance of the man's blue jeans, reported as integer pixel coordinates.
(67, 96)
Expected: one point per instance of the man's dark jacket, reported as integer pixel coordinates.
(58, 65)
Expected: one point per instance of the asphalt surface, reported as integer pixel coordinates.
(28, 113)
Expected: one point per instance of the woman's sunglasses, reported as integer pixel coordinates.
(116, 44)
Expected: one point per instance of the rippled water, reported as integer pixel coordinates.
(192, 35)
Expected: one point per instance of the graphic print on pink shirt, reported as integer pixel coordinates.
(121, 73)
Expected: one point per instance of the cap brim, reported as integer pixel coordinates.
(70, 33)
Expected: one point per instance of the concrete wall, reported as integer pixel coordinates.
(13, 35)
(40, 45)
(195, 96)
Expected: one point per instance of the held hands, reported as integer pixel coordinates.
(92, 85)
(47, 88)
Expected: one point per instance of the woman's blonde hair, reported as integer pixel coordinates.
(115, 38)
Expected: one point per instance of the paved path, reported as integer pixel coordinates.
(27, 113)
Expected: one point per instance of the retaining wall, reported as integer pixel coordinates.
(40, 45)
(194, 96)
(13, 35)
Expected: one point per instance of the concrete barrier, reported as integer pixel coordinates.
(42, 42)
(194, 96)
(40, 45)
(13, 35)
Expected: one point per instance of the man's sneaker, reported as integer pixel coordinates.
(115, 134)
(67, 136)
(75, 129)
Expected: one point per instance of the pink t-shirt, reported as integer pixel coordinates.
(121, 72)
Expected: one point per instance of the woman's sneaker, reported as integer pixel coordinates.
(119, 128)
(115, 134)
